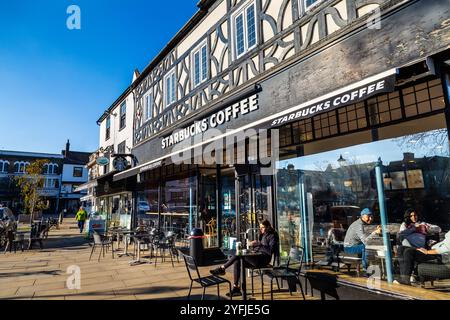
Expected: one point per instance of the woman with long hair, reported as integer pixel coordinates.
(268, 245)
(413, 232)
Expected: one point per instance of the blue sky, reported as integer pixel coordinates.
(55, 82)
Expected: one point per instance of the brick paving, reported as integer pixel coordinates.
(42, 274)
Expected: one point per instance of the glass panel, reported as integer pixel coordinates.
(228, 203)
(197, 68)
(251, 26)
(178, 208)
(240, 44)
(147, 207)
(321, 195)
(204, 64)
(208, 210)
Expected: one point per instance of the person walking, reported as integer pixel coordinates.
(81, 218)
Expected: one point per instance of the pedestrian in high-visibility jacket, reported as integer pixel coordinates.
(81, 218)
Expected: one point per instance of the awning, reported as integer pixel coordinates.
(358, 91)
(86, 186)
(137, 170)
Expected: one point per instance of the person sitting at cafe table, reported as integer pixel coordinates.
(357, 237)
(268, 243)
(411, 256)
(413, 233)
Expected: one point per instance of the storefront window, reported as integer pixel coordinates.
(147, 207)
(178, 207)
(207, 204)
(228, 203)
(322, 193)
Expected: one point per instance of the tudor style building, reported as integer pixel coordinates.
(344, 83)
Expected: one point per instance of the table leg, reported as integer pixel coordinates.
(243, 281)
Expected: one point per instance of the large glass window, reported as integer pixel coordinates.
(322, 193)
(178, 207)
(228, 203)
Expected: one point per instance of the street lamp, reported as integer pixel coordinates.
(342, 161)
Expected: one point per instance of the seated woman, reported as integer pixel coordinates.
(269, 242)
(440, 251)
(413, 235)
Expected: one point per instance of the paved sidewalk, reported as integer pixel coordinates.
(42, 274)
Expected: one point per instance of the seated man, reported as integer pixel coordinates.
(413, 255)
(356, 238)
(267, 245)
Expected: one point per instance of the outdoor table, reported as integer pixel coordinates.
(126, 234)
(381, 255)
(139, 238)
(242, 256)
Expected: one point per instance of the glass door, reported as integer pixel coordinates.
(228, 208)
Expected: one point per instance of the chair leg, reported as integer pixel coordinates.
(262, 286)
(218, 292)
(301, 289)
(271, 289)
(112, 249)
(229, 285)
(204, 291)
(92, 252)
(190, 289)
(251, 273)
(278, 284)
(100, 254)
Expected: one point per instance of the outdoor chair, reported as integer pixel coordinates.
(103, 242)
(204, 282)
(287, 272)
(260, 270)
(166, 244)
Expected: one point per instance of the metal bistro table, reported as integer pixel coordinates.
(138, 240)
(126, 236)
(242, 255)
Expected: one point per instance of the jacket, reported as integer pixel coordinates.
(268, 244)
(81, 215)
(411, 238)
(356, 234)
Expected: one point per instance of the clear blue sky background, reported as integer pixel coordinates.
(55, 83)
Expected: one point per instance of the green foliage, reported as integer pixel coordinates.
(31, 183)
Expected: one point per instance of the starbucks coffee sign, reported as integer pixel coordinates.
(234, 111)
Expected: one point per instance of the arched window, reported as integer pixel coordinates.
(50, 168)
(4, 166)
(20, 166)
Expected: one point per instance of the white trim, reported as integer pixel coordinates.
(198, 50)
(275, 116)
(169, 74)
(148, 94)
(310, 7)
(234, 16)
(31, 154)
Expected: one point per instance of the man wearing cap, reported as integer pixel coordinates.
(356, 237)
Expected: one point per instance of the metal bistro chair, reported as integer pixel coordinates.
(204, 282)
(166, 243)
(103, 242)
(291, 275)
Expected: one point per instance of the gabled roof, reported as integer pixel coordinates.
(77, 158)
